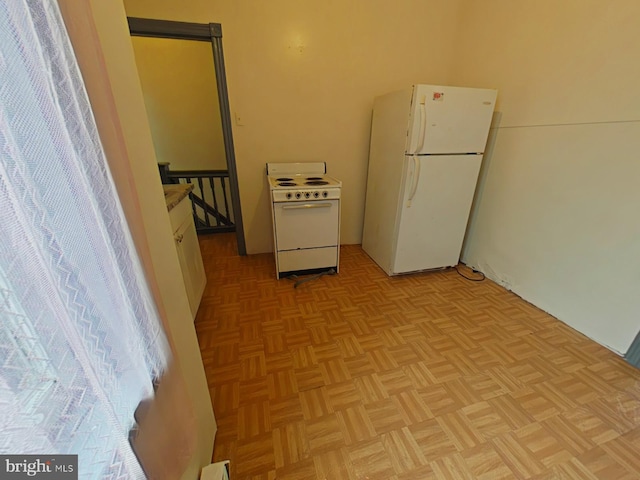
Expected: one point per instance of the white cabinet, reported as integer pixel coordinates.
(186, 241)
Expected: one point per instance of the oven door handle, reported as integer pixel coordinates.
(306, 205)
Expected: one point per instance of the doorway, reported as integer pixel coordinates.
(208, 160)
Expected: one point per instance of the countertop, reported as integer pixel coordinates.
(173, 194)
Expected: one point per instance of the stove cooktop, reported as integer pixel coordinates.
(297, 175)
(303, 181)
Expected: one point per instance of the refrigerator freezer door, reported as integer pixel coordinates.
(449, 120)
(432, 224)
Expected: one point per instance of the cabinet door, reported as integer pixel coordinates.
(190, 263)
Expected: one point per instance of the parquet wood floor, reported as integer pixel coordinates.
(361, 376)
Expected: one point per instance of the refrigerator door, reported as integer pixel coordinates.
(438, 192)
(449, 120)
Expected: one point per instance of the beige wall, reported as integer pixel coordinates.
(556, 217)
(99, 33)
(302, 77)
(179, 87)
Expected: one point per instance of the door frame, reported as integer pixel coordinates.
(204, 32)
(633, 354)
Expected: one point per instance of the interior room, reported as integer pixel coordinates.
(547, 208)
(360, 375)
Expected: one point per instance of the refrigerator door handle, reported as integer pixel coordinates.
(423, 125)
(416, 177)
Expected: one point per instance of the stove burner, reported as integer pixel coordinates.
(287, 184)
(316, 182)
(284, 179)
(314, 178)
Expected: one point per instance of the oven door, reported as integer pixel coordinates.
(309, 224)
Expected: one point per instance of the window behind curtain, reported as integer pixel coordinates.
(80, 341)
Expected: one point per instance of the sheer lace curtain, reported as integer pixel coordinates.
(80, 339)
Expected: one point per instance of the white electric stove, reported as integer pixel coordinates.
(305, 207)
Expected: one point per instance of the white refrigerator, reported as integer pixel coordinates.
(427, 144)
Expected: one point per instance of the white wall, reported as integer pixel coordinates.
(556, 214)
(302, 76)
(99, 33)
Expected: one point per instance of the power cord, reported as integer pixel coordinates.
(477, 279)
(312, 277)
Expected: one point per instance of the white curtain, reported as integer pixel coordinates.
(80, 339)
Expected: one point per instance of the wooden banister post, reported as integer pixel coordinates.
(163, 168)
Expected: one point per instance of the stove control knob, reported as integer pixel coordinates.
(288, 195)
(325, 194)
(316, 194)
(298, 194)
(307, 194)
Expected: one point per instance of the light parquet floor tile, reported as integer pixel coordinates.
(485, 464)
(362, 376)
